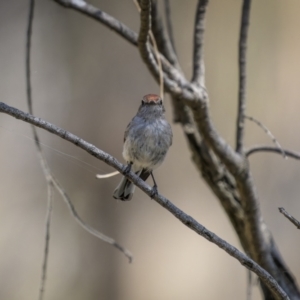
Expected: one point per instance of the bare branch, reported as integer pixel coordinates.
(47, 241)
(242, 74)
(87, 227)
(268, 280)
(198, 64)
(42, 160)
(28, 55)
(257, 149)
(51, 180)
(249, 286)
(290, 217)
(169, 24)
(101, 16)
(268, 132)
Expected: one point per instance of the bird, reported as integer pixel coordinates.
(147, 140)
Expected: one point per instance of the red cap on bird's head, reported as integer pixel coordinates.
(152, 99)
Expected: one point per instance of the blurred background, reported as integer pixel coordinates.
(90, 81)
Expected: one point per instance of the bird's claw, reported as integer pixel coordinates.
(154, 191)
(127, 168)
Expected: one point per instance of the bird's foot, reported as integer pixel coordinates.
(127, 168)
(154, 191)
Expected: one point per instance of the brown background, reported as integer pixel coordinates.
(89, 81)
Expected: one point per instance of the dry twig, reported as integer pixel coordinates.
(290, 217)
(288, 153)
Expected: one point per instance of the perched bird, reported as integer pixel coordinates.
(146, 141)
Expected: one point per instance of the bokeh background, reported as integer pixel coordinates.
(90, 81)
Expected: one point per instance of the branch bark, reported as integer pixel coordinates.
(242, 74)
(198, 63)
(290, 217)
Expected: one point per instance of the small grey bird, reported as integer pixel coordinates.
(146, 141)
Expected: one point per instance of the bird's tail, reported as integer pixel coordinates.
(125, 189)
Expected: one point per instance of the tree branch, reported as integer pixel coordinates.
(268, 280)
(198, 64)
(257, 149)
(268, 132)
(290, 217)
(242, 74)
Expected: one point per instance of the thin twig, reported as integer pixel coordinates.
(87, 227)
(42, 160)
(51, 180)
(190, 222)
(198, 63)
(47, 241)
(268, 132)
(256, 149)
(290, 217)
(249, 286)
(242, 75)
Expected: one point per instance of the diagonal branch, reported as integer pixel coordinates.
(290, 217)
(42, 160)
(47, 241)
(187, 220)
(51, 180)
(242, 75)
(256, 149)
(198, 65)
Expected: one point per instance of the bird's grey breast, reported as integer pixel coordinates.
(147, 141)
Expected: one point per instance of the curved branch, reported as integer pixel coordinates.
(268, 132)
(257, 149)
(242, 74)
(198, 65)
(187, 220)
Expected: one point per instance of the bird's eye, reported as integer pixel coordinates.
(142, 102)
(160, 102)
